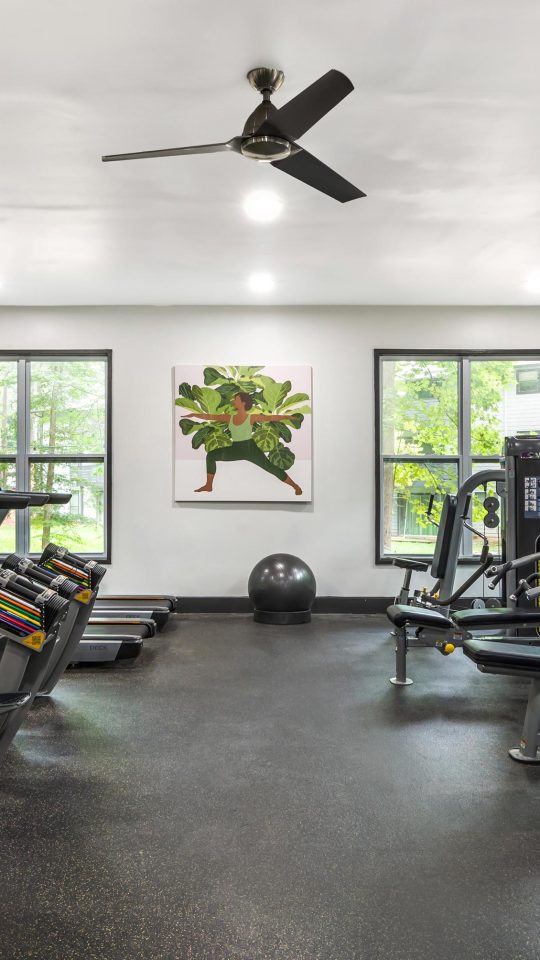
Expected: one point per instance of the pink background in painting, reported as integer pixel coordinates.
(300, 378)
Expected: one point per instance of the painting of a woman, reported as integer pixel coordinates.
(242, 428)
(243, 445)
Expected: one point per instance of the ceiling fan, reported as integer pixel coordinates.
(270, 134)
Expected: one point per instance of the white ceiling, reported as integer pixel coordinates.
(442, 132)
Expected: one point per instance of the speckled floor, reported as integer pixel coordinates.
(246, 792)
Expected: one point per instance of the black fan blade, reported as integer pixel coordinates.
(304, 166)
(299, 114)
(233, 144)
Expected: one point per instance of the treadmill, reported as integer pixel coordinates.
(109, 648)
(114, 627)
(120, 625)
(120, 635)
(109, 636)
(156, 607)
(114, 641)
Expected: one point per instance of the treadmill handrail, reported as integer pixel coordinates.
(120, 621)
(35, 498)
(13, 501)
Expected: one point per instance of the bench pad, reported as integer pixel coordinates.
(489, 653)
(402, 614)
(485, 618)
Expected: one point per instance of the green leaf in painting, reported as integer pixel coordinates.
(266, 436)
(226, 392)
(188, 426)
(245, 386)
(217, 439)
(302, 410)
(248, 372)
(284, 431)
(274, 394)
(200, 437)
(215, 375)
(296, 420)
(185, 390)
(282, 457)
(208, 398)
(260, 380)
(189, 405)
(293, 400)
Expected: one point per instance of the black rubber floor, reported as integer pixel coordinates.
(246, 792)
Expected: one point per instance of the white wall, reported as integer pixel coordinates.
(209, 549)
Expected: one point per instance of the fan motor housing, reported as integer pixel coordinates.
(266, 149)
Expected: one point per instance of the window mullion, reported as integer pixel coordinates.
(22, 516)
(465, 418)
(465, 441)
(27, 442)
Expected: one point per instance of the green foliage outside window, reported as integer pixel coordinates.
(420, 417)
(66, 418)
(8, 407)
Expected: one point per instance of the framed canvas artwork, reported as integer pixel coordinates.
(242, 433)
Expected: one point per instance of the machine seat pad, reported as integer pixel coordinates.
(406, 564)
(402, 614)
(490, 653)
(485, 618)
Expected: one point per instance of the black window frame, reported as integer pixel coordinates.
(461, 458)
(105, 458)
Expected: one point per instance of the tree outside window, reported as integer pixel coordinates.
(57, 442)
(441, 419)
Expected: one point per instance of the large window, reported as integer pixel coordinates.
(440, 418)
(55, 436)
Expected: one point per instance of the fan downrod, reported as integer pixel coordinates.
(265, 147)
(266, 79)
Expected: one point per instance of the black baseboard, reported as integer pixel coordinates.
(214, 605)
(364, 605)
(352, 604)
(322, 604)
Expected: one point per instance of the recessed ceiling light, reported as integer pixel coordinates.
(263, 206)
(261, 282)
(532, 282)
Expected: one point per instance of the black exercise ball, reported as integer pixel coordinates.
(282, 589)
